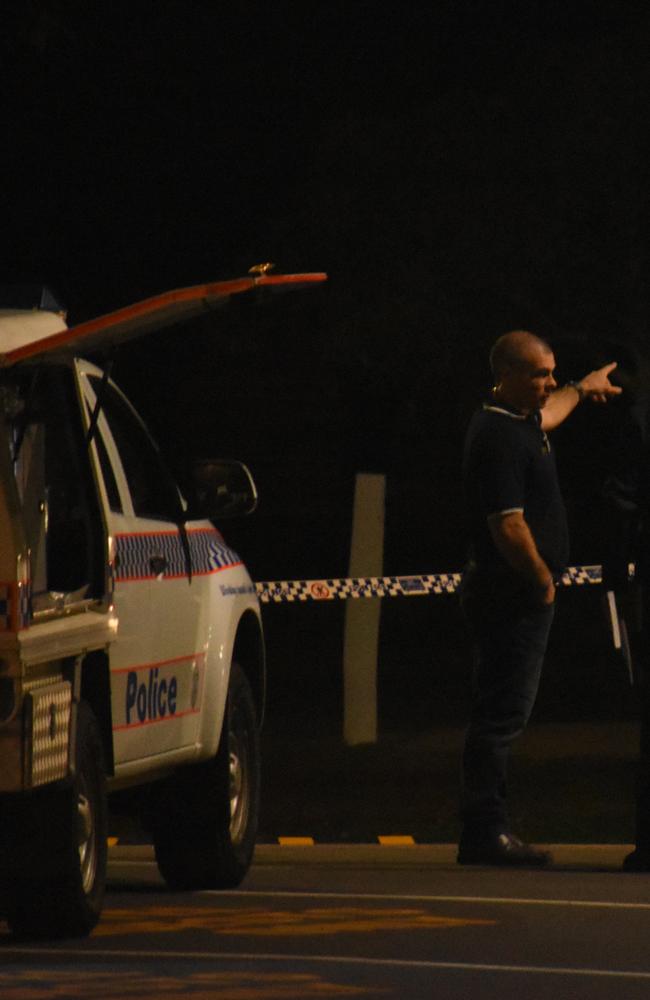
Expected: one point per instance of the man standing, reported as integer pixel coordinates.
(519, 541)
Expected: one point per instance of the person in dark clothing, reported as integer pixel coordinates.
(625, 516)
(519, 547)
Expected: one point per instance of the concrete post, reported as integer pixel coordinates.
(362, 615)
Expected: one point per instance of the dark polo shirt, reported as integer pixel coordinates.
(508, 465)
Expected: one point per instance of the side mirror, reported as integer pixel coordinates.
(222, 488)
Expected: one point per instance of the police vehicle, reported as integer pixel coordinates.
(131, 645)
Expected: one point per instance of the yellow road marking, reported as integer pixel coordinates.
(73, 985)
(311, 921)
(388, 840)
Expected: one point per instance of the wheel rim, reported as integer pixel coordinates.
(86, 839)
(239, 779)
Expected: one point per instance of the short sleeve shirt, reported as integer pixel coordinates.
(508, 465)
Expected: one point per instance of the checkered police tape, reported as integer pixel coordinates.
(283, 591)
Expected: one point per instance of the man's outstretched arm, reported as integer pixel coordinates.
(594, 386)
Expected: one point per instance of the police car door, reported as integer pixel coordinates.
(157, 660)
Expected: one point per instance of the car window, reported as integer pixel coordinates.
(152, 489)
(54, 481)
(108, 475)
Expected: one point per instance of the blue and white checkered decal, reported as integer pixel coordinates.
(134, 553)
(210, 553)
(281, 591)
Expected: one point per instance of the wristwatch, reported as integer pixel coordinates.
(579, 389)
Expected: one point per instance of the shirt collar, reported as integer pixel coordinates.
(534, 417)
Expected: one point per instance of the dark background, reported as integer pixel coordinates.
(458, 168)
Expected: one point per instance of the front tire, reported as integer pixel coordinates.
(205, 826)
(62, 833)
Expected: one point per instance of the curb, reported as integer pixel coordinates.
(609, 856)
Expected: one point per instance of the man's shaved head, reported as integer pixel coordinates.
(513, 350)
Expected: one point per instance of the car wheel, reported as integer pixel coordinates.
(205, 824)
(59, 889)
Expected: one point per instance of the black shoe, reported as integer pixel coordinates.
(637, 861)
(504, 849)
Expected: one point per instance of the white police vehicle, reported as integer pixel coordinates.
(131, 646)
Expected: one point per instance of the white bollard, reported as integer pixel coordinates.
(361, 636)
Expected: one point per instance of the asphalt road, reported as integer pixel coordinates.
(363, 921)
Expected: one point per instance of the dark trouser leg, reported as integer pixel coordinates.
(643, 780)
(642, 805)
(639, 859)
(510, 657)
(636, 600)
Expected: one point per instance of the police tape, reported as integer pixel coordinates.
(287, 591)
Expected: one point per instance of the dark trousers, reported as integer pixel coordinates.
(642, 804)
(510, 644)
(641, 655)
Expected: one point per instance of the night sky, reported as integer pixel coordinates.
(458, 168)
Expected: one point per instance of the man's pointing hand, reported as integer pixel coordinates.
(596, 385)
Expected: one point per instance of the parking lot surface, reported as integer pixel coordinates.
(355, 921)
